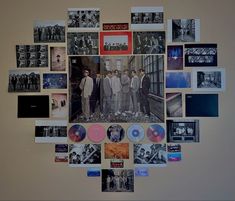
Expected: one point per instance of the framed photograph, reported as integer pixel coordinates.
(83, 19)
(200, 55)
(115, 43)
(50, 131)
(55, 81)
(174, 105)
(151, 42)
(31, 56)
(50, 31)
(147, 18)
(117, 180)
(24, 81)
(82, 43)
(84, 155)
(58, 58)
(59, 105)
(178, 80)
(182, 131)
(116, 150)
(150, 155)
(175, 56)
(208, 79)
(183, 30)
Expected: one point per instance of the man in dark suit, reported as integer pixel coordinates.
(144, 91)
(107, 94)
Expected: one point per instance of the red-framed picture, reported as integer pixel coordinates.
(115, 43)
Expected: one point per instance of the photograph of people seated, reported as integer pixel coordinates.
(110, 89)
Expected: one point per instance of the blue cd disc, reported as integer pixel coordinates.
(135, 133)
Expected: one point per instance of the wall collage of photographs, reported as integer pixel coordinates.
(117, 76)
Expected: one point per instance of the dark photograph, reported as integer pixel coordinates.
(174, 105)
(54, 81)
(175, 57)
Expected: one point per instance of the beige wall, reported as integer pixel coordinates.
(28, 171)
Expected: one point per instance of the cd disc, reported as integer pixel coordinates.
(77, 133)
(115, 133)
(96, 133)
(155, 133)
(135, 133)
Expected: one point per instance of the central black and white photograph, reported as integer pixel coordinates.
(116, 89)
(83, 43)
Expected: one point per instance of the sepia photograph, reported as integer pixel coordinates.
(116, 150)
(31, 56)
(174, 104)
(24, 81)
(117, 180)
(151, 42)
(59, 105)
(84, 155)
(178, 80)
(175, 57)
(150, 155)
(58, 58)
(54, 80)
(49, 31)
(82, 43)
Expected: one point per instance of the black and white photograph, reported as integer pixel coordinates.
(54, 80)
(182, 131)
(197, 55)
(151, 42)
(120, 89)
(208, 79)
(117, 180)
(174, 104)
(82, 43)
(59, 105)
(50, 131)
(31, 56)
(49, 31)
(84, 155)
(85, 18)
(23, 81)
(150, 155)
(58, 58)
(147, 18)
(183, 30)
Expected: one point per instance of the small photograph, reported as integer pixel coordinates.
(54, 80)
(24, 81)
(200, 55)
(85, 18)
(174, 152)
(115, 43)
(141, 172)
(182, 131)
(174, 104)
(115, 133)
(58, 58)
(116, 150)
(96, 133)
(59, 105)
(61, 148)
(84, 155)
(155, 133)
(117, 163)
(135, 133)
(175, 58)
(178, 80)
(30, 56)
(115, 26)
(172, 148)
(201, 105)
(50, 131)
(61, 153)
(93, 172)
(50, 31)
(208, 79)
(82, 43)
(117, 180)
(147, 18)
(174, 157)
(150, 155)
(77, 133)
(183, 30)
(151, 42)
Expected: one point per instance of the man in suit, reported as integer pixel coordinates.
(144, 91)
(135, 84)
(86, 87)
(116, 89)
(107, 94)
(125, 82)
(95, 95)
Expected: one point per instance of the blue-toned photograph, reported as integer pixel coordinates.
(93, 172)
(141, 172)
(54, 81)
(178, 80)
(174, 157)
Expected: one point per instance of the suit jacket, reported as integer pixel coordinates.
(107, 87)
(135, 84)
(96, 89)
(86, 86)
(145, 85)
(125, 81)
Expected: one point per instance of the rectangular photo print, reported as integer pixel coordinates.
(183, 30)
(141, 171)
(175, 57)
(117, 180)
(49, 31)
(178, 80)
(147, 18)
(93, 172)
(82, 43)
(174, 104)
(61, 153)
(200, 55)
(150, 155)
(55, 81)
(174, 152)
(151, 42)
(50, 131)
(83, 18)
(59, 105)
(30, 56)
(58, 58)
(116, 150)
(182, 131)
(24, 81)
(84, 155)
